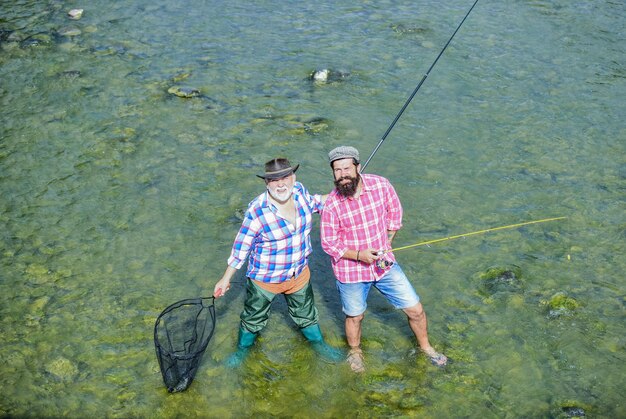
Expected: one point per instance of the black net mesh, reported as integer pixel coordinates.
(181, 335)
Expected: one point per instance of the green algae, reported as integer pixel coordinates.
(120, 198)
(62, 368)
(561, 301)
(184, 91)
(500, 279)
(561, 304)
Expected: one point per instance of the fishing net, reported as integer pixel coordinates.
(181, 334)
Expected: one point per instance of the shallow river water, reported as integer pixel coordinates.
(119, 197)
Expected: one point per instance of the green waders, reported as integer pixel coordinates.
(301, 306)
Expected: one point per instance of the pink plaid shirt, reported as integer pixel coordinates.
(359, 224)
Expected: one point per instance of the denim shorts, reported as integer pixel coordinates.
(394, 285)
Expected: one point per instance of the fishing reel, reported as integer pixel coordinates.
(382, 263)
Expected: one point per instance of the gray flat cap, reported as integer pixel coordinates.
(343, 152)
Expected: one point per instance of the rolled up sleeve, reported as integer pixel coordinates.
(330, 235)
(394, 209)
(314, 202)
(243, 242)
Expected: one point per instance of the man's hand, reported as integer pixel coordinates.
(222, 286)
(368, 256)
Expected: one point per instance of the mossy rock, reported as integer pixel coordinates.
(184, 92)
(571, 409)
(62, 369)
(412, 29)
(560, 304)
(39, 274)
(38, 306)
(560, 300)
(178, 77)
(312, 126)
(498, 279)
(36, 40)
(69, 31)
(238, 215)
(4, 34)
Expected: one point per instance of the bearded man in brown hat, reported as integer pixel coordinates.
(275, 237)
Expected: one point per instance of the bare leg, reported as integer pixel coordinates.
(419, 325)
(353, 335)
(353, 330)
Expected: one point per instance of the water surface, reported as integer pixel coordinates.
(119, 198)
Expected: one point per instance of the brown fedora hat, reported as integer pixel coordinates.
(277, 169)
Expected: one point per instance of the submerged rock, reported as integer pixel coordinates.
(296, 124)
(320, 75)
(184, 92)
(62, 369)
(299, 126)
(328, 76)
(38, 39)
(104, 50)
(180, 76)
(560, 304)
(75, 14)
(404, 29)
(315, 125)
(574, 412)
(500, 279)
(38, 306)
(69, 74)
(38, 274)
(239, 215)
(69, 31)
(15, 36)
(4, 34)
(571, 409)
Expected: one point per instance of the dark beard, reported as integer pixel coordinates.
(347, 190)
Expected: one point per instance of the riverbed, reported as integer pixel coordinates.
(130, 141)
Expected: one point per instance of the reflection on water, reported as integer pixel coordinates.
(129, 142)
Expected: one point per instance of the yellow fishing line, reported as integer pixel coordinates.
(545, 220)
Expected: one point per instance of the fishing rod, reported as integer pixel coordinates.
(393, 123)
(545, 220)
(382, 140)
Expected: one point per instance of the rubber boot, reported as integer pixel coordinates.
(314, 335)
(246, 340)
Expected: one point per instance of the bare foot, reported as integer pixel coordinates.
(435, 357)
(355, 359)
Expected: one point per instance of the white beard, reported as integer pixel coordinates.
(280, 197)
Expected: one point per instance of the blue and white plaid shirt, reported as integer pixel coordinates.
(278, 250)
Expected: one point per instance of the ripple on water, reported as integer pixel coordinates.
(120, 198)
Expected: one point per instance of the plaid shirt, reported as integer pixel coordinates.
(278, 250)
(359, 224)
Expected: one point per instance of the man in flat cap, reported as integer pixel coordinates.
(360, 218)
(275, 236)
